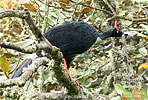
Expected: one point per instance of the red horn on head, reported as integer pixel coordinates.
(116, 25)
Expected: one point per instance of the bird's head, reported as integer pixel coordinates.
(115, 32)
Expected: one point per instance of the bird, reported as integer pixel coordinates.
(73, 38)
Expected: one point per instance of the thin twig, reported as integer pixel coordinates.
(6, 75)
(128, 18)
(55, 6)
(110, 7)
(72, 17)
(45, 18)
(79, 3)
(15, 66)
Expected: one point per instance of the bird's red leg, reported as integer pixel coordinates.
(65, 66)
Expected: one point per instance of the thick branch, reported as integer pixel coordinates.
(9, 94)
(55, 53)
(24, 15)
(43, 45)
(128, 18)
(30, 49)
(15, 94)
(26, 75)
(37, 95)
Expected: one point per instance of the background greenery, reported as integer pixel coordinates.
(94, 69)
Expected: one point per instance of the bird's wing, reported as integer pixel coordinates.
(71, 37)
(64, 36)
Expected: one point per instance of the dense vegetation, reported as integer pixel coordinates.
(112, 69)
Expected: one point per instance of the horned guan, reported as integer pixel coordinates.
(72, 37)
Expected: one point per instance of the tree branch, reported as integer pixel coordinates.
(37, 95)
(92, 7)
(55, 53)
(29, 49)
(128, 18)
(26, 75)
(106, 1)
(24, 15)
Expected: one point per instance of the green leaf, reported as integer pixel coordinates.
(25, 43)
(144, 93)
(93, 17)
(4, 64)
(116, 98)
(145, 27)
(142, 35)
(144, 1)
(120, 89)
(143, 51)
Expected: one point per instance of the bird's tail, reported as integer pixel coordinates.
(18, 71)
(28, 61)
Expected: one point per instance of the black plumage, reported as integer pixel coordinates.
(74, 37)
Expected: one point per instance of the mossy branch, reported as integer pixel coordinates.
(43, 44)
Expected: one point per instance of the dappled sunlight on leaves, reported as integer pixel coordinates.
(144, 65)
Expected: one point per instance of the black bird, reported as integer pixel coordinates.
(72, 37)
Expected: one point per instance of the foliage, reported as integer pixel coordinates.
(4, 64)
(126, 95)
(92, 68)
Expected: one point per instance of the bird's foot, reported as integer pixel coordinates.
(77, 83)
(72, 78)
